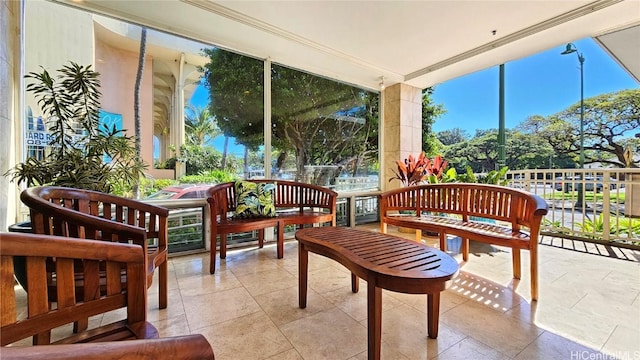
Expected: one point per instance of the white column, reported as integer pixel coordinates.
(177, 128)
(401, 129)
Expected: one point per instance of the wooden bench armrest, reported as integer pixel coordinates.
(54, 246)
(542, 208)
(192, 347)
(104, 288)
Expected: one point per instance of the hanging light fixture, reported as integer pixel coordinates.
(381, 83)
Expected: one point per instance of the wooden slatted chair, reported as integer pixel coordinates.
(113, 278)
(94, 215)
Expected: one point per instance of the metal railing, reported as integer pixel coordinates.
(593, 205)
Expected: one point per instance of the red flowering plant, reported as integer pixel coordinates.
(413, 171)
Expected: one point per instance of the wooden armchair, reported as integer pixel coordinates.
(98, 216)
(188, 347)
(113, 279)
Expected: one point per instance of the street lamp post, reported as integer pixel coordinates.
(571, 48)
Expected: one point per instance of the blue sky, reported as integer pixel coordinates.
(541, 84)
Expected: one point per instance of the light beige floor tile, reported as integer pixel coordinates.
(328, 279)
(174, 307)
(623, 343)
(267, 281)
(471, 349)
(253, 336)
(251, 260)
(483, 291)
(614, 312)
(175, 326)
(355, 304)
(190, 265)
(172, 282)
(287, 355)
(506, 334)
(282, 305)
(218, 307)
(551, 346)
(404, 329)
(417, 301)
(329, 334)
(448, 300)
(386, 353)
(587, 328)
(196, 285)
(316, 262)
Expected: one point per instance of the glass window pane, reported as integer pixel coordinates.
(236, 89)
(323, 132)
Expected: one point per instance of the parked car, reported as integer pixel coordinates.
(181, 191)
(568, 183)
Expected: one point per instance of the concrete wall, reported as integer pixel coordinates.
(10, 62)
(118, 68)
(55, 35)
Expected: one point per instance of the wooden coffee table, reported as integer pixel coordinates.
(385, 262)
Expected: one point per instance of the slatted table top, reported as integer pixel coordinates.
(397, 264)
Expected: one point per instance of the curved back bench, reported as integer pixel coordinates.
(99, 216)
(296, 204)
(114, 278)
(462, 209)
(106, 290)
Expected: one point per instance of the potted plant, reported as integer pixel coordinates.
(78, 145)
(421, 169)
(81, 152)
(418, 170)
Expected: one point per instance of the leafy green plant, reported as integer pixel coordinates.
(413, 171)
(556, 226)
(78, 144)
(495, 177)
(626, 226)
(215, 177)
(594, 226)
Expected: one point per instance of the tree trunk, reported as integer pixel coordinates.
(224, 153)
(246, 162)
(136, 106)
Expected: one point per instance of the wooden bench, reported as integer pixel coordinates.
(296, 204)
(114, 278)
(186, 347)
(463, 209)
(385, 262)
(99, 216)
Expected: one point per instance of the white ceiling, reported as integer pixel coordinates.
(420, 43)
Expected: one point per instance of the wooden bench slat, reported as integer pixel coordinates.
(512, 209)
(64, 253)
(95, 215)
(296, 204)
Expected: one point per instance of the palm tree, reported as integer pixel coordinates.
(136, 104)
(199, 125)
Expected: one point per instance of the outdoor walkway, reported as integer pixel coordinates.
(588, 308)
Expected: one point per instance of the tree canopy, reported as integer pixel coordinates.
(317, 120)
(611, 122)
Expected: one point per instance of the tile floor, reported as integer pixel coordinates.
(588, 308)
